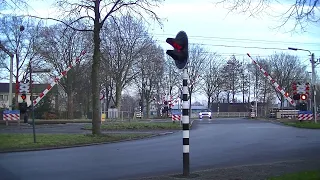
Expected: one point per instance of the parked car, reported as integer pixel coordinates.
(205, 113)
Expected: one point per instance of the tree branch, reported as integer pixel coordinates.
(68, 25)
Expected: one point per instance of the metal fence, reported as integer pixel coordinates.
(224, 114)
(231, 114)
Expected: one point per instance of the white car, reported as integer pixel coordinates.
(205, 113)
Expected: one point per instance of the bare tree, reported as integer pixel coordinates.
(128, 103)
(13, 5)
(301, 11)
(231, 77)
(128, 40)
(19, 40)
(170, 85)
(198, 60)
(58, 48)
(94, 14)
(285, 70)
(245, 81)
(151, 72)
(212, 78)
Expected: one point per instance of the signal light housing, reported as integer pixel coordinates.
(180, 52)
(296, 96)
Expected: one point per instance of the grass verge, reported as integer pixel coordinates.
(11, 142)
(138, 126)
(306, 175)
(309, 125)
(51, 121)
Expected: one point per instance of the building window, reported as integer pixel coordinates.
(1, 97)
(6, 97)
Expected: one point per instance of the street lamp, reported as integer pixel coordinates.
(2, 47)
(11, 73)
(313, 80)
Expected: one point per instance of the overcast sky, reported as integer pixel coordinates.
(210, 24)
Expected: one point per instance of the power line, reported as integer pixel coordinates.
(241, 39)
(245, 47)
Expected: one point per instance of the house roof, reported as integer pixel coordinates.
(37, 88)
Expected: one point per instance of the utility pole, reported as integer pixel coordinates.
(313, 80)
(255, 95)
(314, 87)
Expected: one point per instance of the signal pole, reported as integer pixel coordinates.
(32, 105)
(185, 124)
(181, 54)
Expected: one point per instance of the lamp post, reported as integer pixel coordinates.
(2, 47)
(313, 80)
(11, 73)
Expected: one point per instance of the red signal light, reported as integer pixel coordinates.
(303, 97)
(23, 96)
(174, 44)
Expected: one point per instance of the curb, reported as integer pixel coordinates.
(84, 145)
(208, 169)
(191, 124)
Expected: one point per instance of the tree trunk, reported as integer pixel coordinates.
(233, 93)
(56, 103)
(228, 97)
(243, 92)
(209, 102)
(70, 95)
(108, 98)
(96, 120)
(17, 92)
(70, 104)
(148, 108)
(158, 104)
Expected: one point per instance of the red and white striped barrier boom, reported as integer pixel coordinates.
(55, 81)
(274, 83)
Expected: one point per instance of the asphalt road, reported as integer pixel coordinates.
(213, 144)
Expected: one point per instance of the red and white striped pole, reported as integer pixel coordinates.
(55, 81)
(274, 83)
